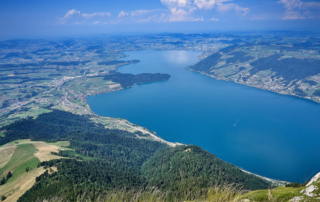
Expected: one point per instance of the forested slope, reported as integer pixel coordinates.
(191, 167)
(101, 160)
(76, 178)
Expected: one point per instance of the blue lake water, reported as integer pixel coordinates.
(273, 135)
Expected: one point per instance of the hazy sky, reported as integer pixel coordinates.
(68, 17)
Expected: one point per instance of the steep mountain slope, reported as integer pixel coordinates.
(190, 167)
(114, 159)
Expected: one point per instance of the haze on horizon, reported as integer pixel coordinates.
(36, 18)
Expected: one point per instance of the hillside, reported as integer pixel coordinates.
(114, 159)
(128, 80)
(190, 167)
(285, 70)
(21, 158)
(54, 148)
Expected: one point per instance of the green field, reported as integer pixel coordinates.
(278, 194)
(22, 158)
(17, 142)
(62, 144)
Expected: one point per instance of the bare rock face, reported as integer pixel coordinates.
(310, 190)
(297, 199)
(312, 186)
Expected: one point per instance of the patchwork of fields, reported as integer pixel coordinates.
(21, 158)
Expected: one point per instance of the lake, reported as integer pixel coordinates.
(273, 135)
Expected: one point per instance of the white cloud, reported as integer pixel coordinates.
(297, 9)
(213, 19)
(176, 11)
(242, 9)
(293, 15)
(176, 3)
(291, 4)
(178, 15)
(76, 17)
(100, 14)
(69, 14)
(198, 19)
(123, 14)
(183, 10)
(149, 19)
(293, 9)
(203, 4)
(208, 4)
(231, 6)
(139, 12)
(311, 5)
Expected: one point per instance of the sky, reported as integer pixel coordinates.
(27, 18)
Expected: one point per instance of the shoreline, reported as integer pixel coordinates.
(252, 86)
(154, 137)
(279, 183)
(119, 123)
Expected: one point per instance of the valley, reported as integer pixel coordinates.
(118, 109)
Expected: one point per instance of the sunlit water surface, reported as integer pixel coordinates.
(273, 135)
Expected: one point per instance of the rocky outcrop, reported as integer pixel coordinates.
(312, 186)
(311, 190)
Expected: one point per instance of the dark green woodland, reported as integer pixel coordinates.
(104, 159)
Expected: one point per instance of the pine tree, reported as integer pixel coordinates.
(9, 175)
(2, 181)
(3, 198)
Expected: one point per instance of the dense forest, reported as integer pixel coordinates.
(191, 167)
(75, 178)
(128, 80)
(52, 126)
(87, 138)
(116, 62)
(104, 159)
(288, 68)
(212, 60)
(206, 64)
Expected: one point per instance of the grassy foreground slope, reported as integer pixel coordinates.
(277, 194)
